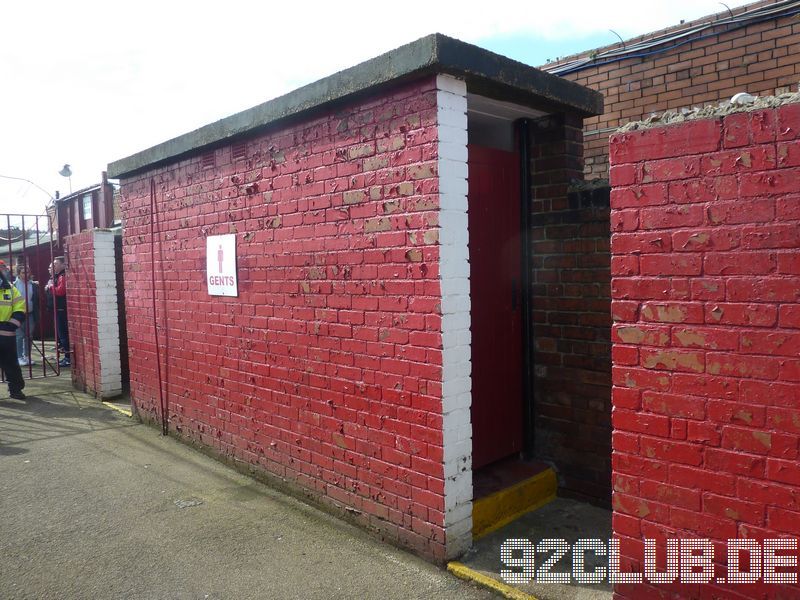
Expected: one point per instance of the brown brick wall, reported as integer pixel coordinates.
(761, 58)
(571, 314)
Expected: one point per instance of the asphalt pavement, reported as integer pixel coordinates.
(95, 505)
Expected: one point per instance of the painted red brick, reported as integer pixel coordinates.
(695, 137)
(326, 370)
(716, 437)
(671, 264)
(639, 195)
(744, 159)
(82, 309)
(692, 191)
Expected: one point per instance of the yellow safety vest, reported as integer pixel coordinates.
(11, 301)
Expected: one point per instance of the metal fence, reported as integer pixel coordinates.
(28, 246)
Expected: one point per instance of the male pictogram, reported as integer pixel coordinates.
(220, 254)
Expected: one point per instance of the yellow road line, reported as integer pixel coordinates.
(464, 572)
(124, 411)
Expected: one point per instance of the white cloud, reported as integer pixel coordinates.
(87, 83)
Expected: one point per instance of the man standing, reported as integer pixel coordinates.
(12, 314)
(29, 290)
(57, 286)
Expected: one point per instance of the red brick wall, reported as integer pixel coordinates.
(326, 370)
(82, 311)
(762, 58)
(706, 283)
(571, 314)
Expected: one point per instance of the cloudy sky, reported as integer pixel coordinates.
(86, 83)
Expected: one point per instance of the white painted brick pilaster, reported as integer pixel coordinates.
(110, 383)
(456, 338)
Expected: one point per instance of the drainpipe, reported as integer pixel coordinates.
(523, 137)
(153, 213)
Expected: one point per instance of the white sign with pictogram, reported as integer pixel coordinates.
(221, 265)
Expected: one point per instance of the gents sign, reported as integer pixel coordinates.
(221, 265)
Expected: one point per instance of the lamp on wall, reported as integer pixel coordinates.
(67, 172)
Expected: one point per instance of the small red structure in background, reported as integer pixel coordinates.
(89, 208)
(26, 240)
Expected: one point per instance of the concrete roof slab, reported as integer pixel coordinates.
(485, 72)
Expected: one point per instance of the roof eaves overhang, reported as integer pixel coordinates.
(78, 193)
(485, 72)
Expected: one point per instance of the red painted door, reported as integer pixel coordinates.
(494, 255)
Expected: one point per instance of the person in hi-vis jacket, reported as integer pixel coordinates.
(12, 315)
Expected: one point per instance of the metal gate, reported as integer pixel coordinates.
(28, 247)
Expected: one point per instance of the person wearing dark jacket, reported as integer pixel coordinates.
(57, 287)
(12, 315)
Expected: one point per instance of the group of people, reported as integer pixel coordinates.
(19, 313)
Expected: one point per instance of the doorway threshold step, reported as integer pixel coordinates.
(507, 490)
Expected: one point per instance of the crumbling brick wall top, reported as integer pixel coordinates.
(747, 103)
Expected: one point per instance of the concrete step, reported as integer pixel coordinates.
(504, 492)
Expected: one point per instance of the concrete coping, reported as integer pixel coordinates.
(485, 72)
(745, 103)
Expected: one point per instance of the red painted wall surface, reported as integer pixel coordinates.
(706, 282)
(326, 370)
(82, 311)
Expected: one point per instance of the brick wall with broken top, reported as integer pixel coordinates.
(706, 336)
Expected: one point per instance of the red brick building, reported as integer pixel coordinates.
(379, 344)
(754, 48)
(89, 208)
(378, 355)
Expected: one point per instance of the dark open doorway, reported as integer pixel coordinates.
(539, 276)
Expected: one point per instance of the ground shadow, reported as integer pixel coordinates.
(12, 450)
(51, 416)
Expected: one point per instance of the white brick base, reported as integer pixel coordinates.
(105, 274)
(456, 337)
